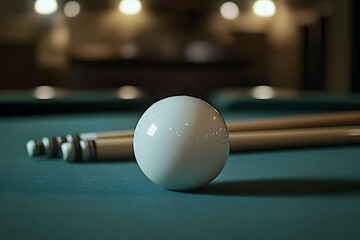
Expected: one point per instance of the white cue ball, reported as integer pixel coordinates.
(181, 143)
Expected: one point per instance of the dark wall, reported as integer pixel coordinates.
(355, 46)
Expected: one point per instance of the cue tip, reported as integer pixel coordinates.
(48, 148)
(68, 152)
(35, 148)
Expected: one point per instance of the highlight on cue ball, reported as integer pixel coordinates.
(181, 143)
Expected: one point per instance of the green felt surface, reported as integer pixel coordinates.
(286, 194)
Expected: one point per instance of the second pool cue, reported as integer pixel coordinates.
(50, 146)
(98, 150)
(117, 149)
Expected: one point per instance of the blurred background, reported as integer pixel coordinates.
(160, 48)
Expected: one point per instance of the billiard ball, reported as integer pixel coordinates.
(181, 143)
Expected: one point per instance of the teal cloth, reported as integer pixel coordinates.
(285, 194)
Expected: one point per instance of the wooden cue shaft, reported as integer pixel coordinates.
(108, 148)
(121, 148)
(290, 138)
(110, 134)
(313, 120)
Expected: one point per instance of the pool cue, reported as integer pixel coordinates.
(294, 138)
(116, 149)
(50, 146)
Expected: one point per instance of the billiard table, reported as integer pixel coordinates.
(303, 193)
